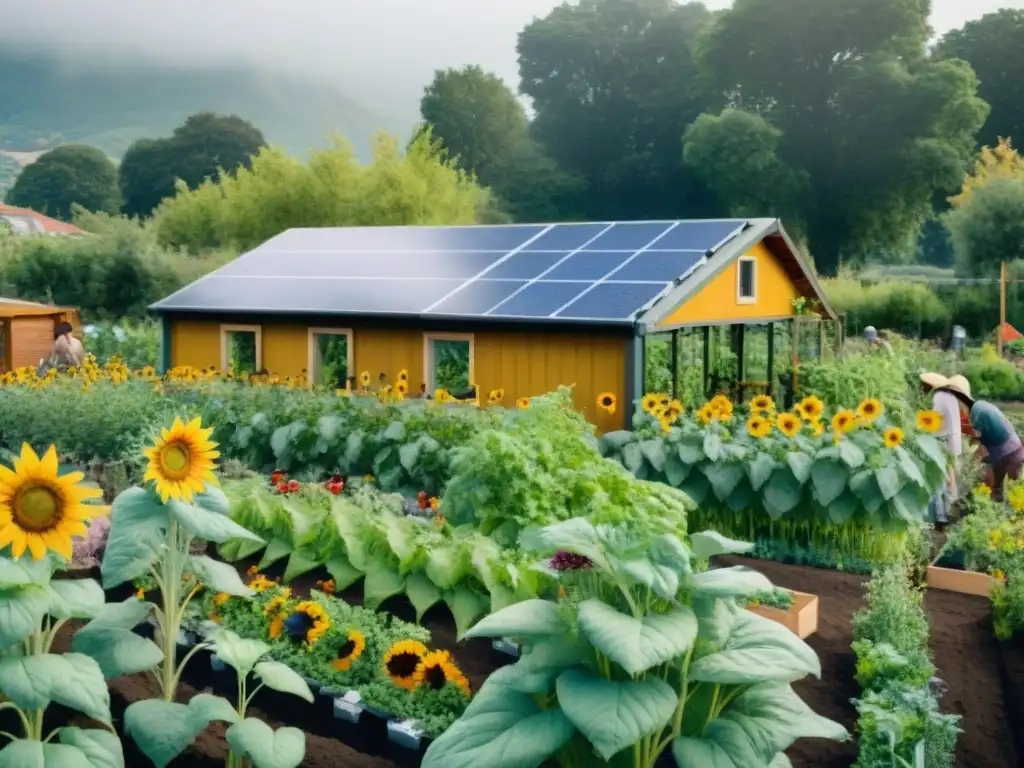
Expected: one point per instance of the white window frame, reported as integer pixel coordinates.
(311, 360)
(225, 351)
(428, 357)
(740, 298)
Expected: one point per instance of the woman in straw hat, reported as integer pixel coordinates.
(947, 406)
(1003, 448)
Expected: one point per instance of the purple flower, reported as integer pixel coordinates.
(570, 561)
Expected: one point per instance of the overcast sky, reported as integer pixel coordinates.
(379, 52)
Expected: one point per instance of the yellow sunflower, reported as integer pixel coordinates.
(665, 422)
(41, 510)
(844, 421)
(762, 403)
(260, 583)
(181, 461)
(870, 409)
(403, 375)
(648, 403)
(758, 426)
(523, 403)
(349, 651)
(275, 604)
(705, 414)
(929, 421)
(818, 427)
(722, 407)
(606, 402)
(443, 395)
(364, 378)
(401, 661)
(402, 387)
(788, 424)
(811, 408)
(892, 437)
(436, 670)
(306, 623)
(673, 411)
(496, 396)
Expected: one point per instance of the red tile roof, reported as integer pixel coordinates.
(45, 223)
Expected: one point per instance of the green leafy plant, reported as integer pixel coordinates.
(642, 654)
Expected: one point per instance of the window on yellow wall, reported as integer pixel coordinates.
(241, 348)
(448, 363)
(330, 357)
(746, 280)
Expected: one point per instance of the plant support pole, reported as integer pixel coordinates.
(1002, 307)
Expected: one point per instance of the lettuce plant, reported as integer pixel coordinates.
(640, 654)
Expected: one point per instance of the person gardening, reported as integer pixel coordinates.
(67, 351)
(1004, 452)
(947, 406)
(875, 341)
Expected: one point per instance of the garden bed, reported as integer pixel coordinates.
(967, 657)
(948, 573)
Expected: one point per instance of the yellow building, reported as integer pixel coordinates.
(523, 308)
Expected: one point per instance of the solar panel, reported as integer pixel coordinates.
(362, 239)
(612, 301)
(588, 265)
(566, 237)
(524, 265)
(697, 235)
(539, 299)
(477, 297)
(629, 237)
(303, 294)
(414, 265)
(659, 266)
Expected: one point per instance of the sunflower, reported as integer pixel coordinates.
(722, 407)
(349, 651)
(706, 414)
(401, 661)
(870, 409)
(648, 403)
(523, 403)
(818, 427)
(443, 395)
(436, 670)
(403, 375)
(892, 437)
(307, 622)
(41, 510)
(261, 583)
(496, 396)
(811, 408)
(762, 403)
(844, 421)
(181, 460)
(788, 424)
(673, 411)
(275, 604)
(758, 426)
(929, 421)
(665, 422)
(364, 378)
(606, 402)
(401, 387)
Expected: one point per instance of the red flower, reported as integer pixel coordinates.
(293, 485)
(277, 476)
(335, 488)
(282, 487)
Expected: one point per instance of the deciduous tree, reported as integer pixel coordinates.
(988, 227)
(62, 177)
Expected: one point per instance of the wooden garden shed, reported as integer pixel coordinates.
(523, 308)
(26, 331)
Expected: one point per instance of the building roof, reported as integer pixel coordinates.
(22, 308)
(595, 273)
(25, 221)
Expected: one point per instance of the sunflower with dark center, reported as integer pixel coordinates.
(606, 402)
(570, 561)
(401, 661)
(436, 670)
(870, 409)
(523, 403)
(349, 651)
(307, 623)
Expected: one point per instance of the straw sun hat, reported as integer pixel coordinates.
(958, 385)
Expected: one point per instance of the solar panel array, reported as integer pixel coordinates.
(607, 271)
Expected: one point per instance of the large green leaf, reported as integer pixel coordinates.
(933, 449)
(21, 611)
(709, 753)
(712, 445)
(632, 457)
(724, 477)
(760, 469)
(501, 728)
(265, 747)
(283, 678)
(234, 550)
(382, 581)
(614, 715)
(163, 729)
(783, 491)
(240, 653)
(72, 679)
(34, 754)
(637, 644)
(75, 598)
(218, 576)
(910, 466)
(540, 663)
(25, 571)
(276, 549)
(574, 535)
(117, 651)
(696, 486)
(213, 499)
(843, 508)
(800, 465)
(207, 525)
(757, 650)
(654, 452)
(101, 748)
(735, 581)
(865, 486)
(691, 450)
(466, 606)
(889, 481)
(851, 454)
(706, 544)
(138, 524)
(343, 572)
(829, 479)
(675, 470)
(302, 560)
(422, 593)
(530, 618)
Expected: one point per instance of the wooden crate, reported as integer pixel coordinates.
(802, 617)
(955, 580)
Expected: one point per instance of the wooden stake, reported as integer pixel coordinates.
(1002, 307)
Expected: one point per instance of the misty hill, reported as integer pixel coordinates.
(45, 102)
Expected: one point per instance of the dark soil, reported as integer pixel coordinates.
(986, 682)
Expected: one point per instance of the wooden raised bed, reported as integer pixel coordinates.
(959, 580)
(801, 618)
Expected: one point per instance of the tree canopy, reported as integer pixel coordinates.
(994, 47)
(62, 177)
(200, 148)
(244, 209)
(988, 227)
